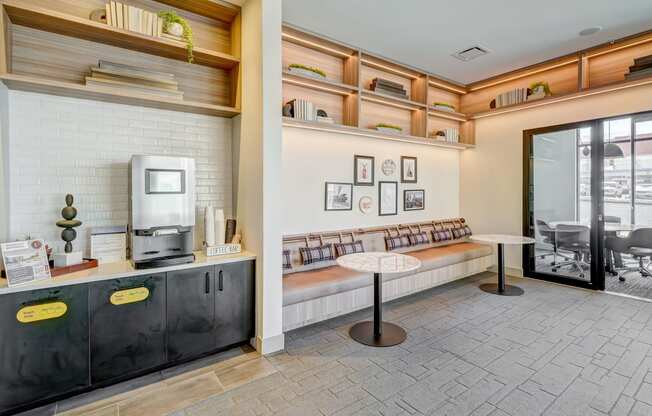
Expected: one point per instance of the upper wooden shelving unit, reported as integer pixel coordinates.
(49, 48)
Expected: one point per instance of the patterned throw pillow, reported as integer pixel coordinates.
(287, 261)
(398, 241)
(462, 231)
(312, 255)
(441, 235)
(418, 238)
(342, 249)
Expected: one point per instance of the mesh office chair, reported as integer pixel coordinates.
(638, 245)
(576, 239)
(548, 235)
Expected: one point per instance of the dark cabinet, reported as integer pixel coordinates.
(191, 312)
(234, 303)
(128, 326)
(44, 344)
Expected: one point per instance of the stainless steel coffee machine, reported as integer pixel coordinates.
(161, 210)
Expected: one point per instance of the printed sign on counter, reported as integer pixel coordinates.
(25, 262)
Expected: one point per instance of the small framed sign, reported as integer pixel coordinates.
(25, 262)
(408, 169)
(363, 170)
(339, 196)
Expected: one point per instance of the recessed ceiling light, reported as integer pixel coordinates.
(590, 31)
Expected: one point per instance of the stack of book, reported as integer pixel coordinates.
(303, 110)
(386, 87)
(114, 77)
(642, 68)
(517, 96)
(133, 19)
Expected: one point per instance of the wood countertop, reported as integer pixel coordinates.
(119, 270)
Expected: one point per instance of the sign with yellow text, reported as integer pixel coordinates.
(133, 295)
(41, 312)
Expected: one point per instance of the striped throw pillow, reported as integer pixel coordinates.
(312, 255)
(418, 238)
(287, 261)
(398, 241)
(441, 235)
(342, 249)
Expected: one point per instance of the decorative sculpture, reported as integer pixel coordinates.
(68, 223)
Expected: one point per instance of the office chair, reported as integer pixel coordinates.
(548, 235)
(638, 245)
(576, 239)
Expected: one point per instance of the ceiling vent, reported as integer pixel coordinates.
(471, 53)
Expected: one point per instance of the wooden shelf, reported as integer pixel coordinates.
(315, 43)
(55, 22)
(214, 9)
(451, 115)
(565, 97)
(69, 89)
(324, 85)
(379, 98)
(355, 131)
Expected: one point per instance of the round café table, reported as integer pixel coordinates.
(501, 288)
(378, 333)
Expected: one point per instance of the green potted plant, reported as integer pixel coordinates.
(177, 26)
(306, 70)
(390, 128)
(444, 106)
(540, 88)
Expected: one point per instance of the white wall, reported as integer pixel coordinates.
(311, 158)
(259, 148)
(492, 174)
(65, 145)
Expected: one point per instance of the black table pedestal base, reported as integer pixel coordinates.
(391, 334)
(509, 289)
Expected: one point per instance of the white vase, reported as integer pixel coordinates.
(220, 227)
(209, 226)
(175, 29)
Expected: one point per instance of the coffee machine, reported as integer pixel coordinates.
(161, 210)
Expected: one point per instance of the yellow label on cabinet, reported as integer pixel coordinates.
(137, 294)
(41, 312)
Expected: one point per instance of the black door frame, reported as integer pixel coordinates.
(597, 205)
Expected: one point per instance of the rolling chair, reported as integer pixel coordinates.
(576, 239)
(638, 245)
(548, 235)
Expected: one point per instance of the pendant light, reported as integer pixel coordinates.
(612, 150)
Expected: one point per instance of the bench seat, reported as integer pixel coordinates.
(307, 285)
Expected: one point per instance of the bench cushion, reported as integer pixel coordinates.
(307, 285)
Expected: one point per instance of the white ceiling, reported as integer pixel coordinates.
(424, 33)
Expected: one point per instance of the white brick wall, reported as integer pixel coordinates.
(61, 145)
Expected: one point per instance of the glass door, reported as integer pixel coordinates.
(563, 208)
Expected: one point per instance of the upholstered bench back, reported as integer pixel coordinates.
(315, 251)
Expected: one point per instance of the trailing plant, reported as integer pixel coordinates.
(388, 126)
(441, 104)
(170, 18)
(546, 87)
(309, 68)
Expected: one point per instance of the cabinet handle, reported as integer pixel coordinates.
(208, 282)
(221, 281)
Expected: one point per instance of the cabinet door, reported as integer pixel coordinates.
(40, 359)
(191, 312)
(127, 326)
(234, 303)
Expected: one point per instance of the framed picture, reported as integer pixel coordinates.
(363, 170)
(387, 198)
(339, 196)
(408, 169)
(413, 199)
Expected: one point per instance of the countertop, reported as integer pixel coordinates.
(119, 270)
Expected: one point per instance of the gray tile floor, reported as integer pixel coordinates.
(556, 350)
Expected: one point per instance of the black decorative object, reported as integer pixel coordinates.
(321, 113)
(68, 223)
(288, 110)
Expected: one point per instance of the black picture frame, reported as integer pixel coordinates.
(356, 179)
(404, 159)
(405, 199)
(381, 185)
(350, 192)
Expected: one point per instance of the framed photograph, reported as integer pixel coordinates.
(339, 196)
(413, 199)
(387, 198)
(363, 170)
(408, 169)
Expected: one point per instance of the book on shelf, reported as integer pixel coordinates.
(516, 96)
(123, 86)
(643, 60)
(135, 71)
(391, 93)
(100, 73)
(116, 77)
(303, 110)
(132, 18)
(387, 83)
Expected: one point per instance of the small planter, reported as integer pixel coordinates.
(305, 73)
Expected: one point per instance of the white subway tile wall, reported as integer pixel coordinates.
(60, 145)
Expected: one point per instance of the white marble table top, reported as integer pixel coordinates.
(502, 239)
(379, 262)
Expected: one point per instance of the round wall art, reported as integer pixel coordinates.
(389, 167)
(365, 204)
